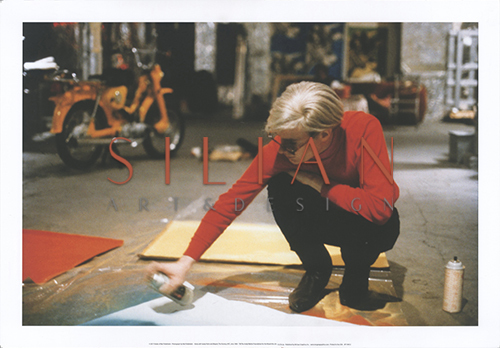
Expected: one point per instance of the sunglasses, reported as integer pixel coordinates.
(289, 145)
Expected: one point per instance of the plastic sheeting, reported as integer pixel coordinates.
(271, 285)
(114, 281)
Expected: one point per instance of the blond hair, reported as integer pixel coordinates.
(310, 106)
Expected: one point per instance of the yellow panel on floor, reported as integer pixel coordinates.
(241, 242)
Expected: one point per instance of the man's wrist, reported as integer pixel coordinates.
(186, 261)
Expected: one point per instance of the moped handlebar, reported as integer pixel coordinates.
(146, 54)
(61, 76)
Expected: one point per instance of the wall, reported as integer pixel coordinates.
(259, 59)
(205, 46)
(424, 53)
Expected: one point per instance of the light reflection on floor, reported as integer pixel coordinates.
(271, 285)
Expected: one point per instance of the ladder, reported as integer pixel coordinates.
(462, 70)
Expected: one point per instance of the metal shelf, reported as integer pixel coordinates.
(461, 82)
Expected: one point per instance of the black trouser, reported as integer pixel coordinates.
(308, 223)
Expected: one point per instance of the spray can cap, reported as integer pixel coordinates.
(455, 264)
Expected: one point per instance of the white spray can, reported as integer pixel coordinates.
(183, 295)
(453, 286)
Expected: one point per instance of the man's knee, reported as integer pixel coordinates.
(278, 183)
(390, 232)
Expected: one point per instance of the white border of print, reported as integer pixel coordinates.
(14, 12)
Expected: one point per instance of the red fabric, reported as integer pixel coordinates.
(49, 254)
(342, 162)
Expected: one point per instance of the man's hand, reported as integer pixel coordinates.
(308, 178)
(176, 272)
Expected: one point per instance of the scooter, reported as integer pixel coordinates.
(89, 114)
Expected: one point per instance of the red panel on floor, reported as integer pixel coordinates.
(49, 254)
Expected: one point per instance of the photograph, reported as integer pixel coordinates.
(269, 174)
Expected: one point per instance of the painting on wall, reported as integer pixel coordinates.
(300, 48)
(366, 47)
(306, 51)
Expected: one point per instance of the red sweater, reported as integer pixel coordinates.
(342, 161)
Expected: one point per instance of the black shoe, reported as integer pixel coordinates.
(371, 302)
(309, 291)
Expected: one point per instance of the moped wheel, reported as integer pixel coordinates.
(75, 127)
(154, 143)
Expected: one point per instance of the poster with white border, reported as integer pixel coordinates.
(14, 13)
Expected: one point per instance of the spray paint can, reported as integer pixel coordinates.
(453, 286)
(183, 295)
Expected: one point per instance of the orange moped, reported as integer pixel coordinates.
(89, 114)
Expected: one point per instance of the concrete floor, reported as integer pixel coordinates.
(438, 205)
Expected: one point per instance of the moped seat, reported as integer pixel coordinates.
(116, 77)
